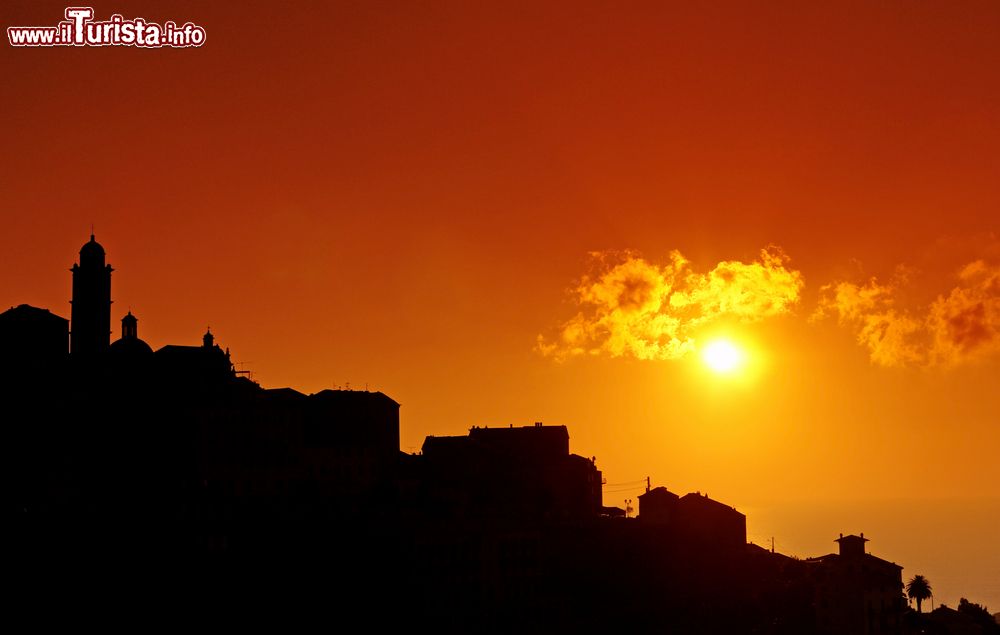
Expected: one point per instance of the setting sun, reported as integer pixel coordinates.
(722, 356)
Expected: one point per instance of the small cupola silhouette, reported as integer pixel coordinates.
(852, 546)
(208, 340)
(130, 327)
(130, 345)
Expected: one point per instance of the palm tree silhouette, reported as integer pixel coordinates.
(918, 589)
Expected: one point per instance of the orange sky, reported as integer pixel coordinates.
(407, 195)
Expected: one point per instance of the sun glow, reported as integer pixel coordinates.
(722, 356)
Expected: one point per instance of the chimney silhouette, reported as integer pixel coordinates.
(852, 546)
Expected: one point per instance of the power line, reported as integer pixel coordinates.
(625, 489)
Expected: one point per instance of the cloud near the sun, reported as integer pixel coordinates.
(636, 308)
(959, 326)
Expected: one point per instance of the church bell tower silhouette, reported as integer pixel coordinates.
(90, 330)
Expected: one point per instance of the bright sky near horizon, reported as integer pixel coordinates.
(513, 212)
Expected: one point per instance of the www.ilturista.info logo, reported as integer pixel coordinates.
(80, 29)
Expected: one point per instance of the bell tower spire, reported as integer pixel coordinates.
(90, 329)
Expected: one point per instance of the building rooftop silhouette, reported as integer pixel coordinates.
(521, 471)
(33, 335)
(857, 592)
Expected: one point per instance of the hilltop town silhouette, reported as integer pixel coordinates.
(158, 462)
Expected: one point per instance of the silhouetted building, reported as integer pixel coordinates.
(204, 367)
(91, 310)
(333, 452)
(521, 472)
(611, 511)
(857, 593)
(32, 335)
(709, 523)
(658, 505)
(694, 519)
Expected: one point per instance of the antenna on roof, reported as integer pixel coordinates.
(242, 370)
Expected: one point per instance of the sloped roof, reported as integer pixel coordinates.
(352, 396)
(28, 312)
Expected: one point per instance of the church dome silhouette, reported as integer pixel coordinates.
(92, 247)
(92, 251)
(130, 344)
